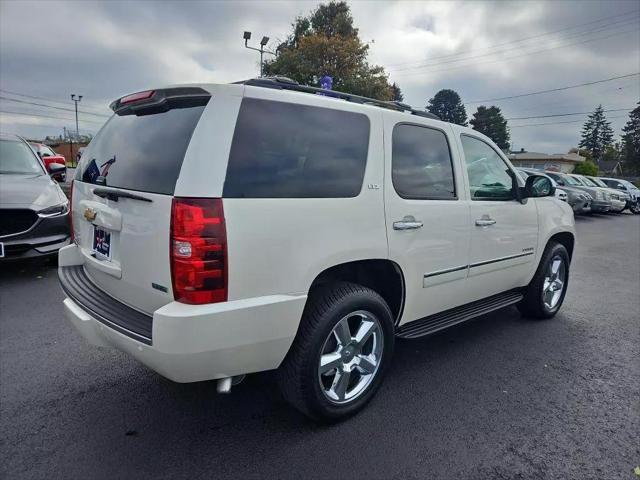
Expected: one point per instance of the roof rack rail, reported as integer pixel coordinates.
(284, 83)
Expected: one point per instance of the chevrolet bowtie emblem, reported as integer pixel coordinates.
(90, 214)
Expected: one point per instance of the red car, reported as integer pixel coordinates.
(48, 156)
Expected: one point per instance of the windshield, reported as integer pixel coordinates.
(570, 180)
(588, 182)
(598, 182)
(17, 158)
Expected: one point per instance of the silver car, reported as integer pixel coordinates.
(618, 199)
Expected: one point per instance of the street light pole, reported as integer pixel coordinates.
(263, 43)
(76, 100)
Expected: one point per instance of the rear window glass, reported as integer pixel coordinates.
(284, 150)
(141, 153)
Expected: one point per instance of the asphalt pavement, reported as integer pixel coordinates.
(500, 397)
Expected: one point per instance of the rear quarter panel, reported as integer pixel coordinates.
(279, 245)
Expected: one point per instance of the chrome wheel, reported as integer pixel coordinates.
(350, 357)
(554, 282)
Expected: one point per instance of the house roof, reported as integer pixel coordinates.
(566, 157)
(608, 165)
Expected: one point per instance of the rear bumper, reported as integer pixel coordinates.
(190, 343)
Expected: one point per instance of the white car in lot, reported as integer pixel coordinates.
(221, 230)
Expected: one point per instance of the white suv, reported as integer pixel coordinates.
(221, 230)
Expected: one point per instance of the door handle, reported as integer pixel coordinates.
(485, 221)
(407, 223)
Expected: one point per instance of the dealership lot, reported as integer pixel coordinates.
(500, 397)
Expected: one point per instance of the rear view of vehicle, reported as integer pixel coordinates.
(122, 201)
(147, 272)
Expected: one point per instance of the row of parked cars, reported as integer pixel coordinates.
(587, 194)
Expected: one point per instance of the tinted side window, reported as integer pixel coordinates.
(489, 177)
(421, 163)
(285, 150)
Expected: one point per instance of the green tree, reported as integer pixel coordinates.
(327, 43)
(396, 92)
(596, 134)
(490, 122)
(586, 168)
(631, 141)
(447, 105)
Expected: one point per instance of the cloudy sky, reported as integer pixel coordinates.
(483, 50)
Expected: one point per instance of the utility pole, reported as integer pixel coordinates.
(76, 100)
(263, 43)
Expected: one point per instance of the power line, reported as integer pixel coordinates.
(521, 39)
(28, 114)
(600, 29)
(570, 114)
(518, 56)
(50, 100)
(568, 87)
(50, 106)
(559, 123)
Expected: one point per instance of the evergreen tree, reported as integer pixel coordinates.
(631, 141)
(447, 105)
(327, 43)
(596, 134)
(492, 123)
(397, 93)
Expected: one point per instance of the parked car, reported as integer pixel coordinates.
(48, 157)
(267, 225)
(618, 201)
(622, 197)
(560, 193)
(34, 213)
(598, 200)
(633, 203)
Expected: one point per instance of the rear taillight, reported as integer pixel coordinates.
(73, 237)
(198, 250)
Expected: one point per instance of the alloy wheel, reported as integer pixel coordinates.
(350, 357)
(554, 282)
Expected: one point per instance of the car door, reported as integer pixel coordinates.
(427, 221)
(504, 232)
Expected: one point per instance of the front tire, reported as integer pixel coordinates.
(339, 356)
(545, 294)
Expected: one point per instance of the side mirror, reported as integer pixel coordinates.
(620, 187)
(538, 186)
(57, 171)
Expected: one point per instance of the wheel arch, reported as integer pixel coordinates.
(383, 276)
(567, 239)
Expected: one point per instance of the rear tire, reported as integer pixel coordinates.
(340, 354)
(546, 291)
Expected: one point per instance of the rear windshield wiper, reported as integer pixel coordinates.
(115, 195)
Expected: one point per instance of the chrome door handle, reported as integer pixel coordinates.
(407, 223)
(485, 221)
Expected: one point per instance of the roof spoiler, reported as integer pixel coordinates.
(157, 101)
